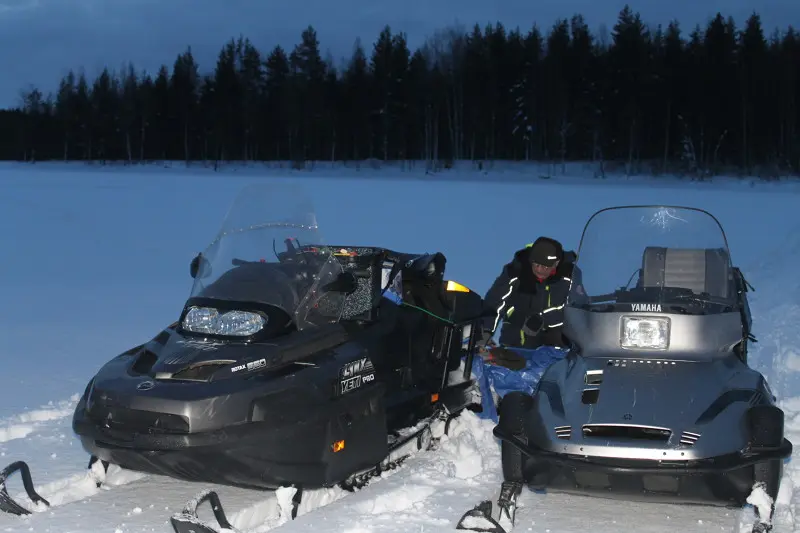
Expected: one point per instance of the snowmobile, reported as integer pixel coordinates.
(292, 364)
(655, 399)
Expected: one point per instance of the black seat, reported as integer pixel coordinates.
(702, 270)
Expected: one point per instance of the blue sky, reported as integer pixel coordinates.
(41, 39)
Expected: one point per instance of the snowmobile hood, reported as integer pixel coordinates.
(183, 355)
(173, 356)
(674, 395)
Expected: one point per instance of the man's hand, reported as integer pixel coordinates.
(497, 355)
(483, 349)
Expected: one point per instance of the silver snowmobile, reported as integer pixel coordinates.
(655, 399)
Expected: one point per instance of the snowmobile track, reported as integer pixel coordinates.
(424, 436)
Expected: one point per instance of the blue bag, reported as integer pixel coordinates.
(498, 380)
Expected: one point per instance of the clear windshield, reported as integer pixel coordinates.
(656, 256)
(270, 251)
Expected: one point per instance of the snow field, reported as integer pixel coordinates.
(101, 258)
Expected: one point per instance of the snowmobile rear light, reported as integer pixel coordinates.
(232, 323)
(644, 333)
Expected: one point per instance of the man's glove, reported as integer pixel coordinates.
(497, 355)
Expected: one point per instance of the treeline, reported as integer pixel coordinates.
(653, 99)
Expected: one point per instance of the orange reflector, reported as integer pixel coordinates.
(337, 446)
(434, 397)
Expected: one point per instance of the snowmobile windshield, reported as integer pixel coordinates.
(269, 251)
(654, 258)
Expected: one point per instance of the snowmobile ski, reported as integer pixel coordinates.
(11, 506)
(7, 503)
(488, 518)
(187, 520)
(763, 524)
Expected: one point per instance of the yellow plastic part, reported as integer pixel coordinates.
(454, 286)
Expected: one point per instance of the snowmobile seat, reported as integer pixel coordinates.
(440, 336)
(421, 324)
(420, 335)
(698, 269)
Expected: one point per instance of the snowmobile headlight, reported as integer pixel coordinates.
(232, 323)
(645, 332)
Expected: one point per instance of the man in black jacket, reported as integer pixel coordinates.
(529, 296)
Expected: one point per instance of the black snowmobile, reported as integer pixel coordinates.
(293, 363)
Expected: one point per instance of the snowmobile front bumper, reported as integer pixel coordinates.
(315, 449)
(722, 480)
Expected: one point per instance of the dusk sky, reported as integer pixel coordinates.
(42, 39)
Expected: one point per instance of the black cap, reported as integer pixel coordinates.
(546, 251)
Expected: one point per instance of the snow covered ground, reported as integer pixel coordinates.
(96, 260)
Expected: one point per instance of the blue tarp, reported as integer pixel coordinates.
(501, 380)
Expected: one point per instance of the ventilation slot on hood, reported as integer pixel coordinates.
(593, 377)
(563, 432)
(688, 438)
(135, 421)
(162, 338)
(626, 362)
(201, 371)
(590, 396)
(626, 431)
(144, 362)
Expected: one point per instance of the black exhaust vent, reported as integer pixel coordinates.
(626, 431)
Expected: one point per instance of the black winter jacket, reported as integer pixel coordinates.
(532, 311)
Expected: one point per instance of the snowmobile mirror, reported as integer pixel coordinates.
(345, 283)
(199, 266)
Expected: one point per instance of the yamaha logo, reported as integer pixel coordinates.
(145, 385)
